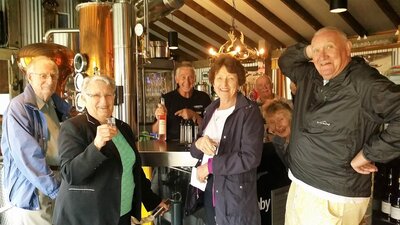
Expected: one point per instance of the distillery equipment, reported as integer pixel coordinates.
(60, 54)
(96, 37)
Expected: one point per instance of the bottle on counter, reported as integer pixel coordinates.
(195, 130)
(162, 124)
(182, 131)
(379, 186)
(395, 208)
(189, 131)
(387, 196)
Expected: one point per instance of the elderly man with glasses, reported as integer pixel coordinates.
(29, 144)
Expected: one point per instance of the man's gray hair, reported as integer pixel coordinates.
(40, 60)
(107, 80)
(187, 65)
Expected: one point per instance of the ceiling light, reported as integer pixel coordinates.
(338, 6)
(173, 40)
(212, 52)
(261, 51)
(236, 47)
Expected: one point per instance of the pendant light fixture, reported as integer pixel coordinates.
(236, 47)
(173, 40)
(338, 6)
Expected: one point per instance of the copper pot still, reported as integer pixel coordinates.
(61, 55)
(96, 37)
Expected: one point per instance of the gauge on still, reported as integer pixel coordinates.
(139, 29)
(78, 81)
(80, 62)
(79, 103)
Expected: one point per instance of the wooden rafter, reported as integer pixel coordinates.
(389, 11)
(247, 22)
(275, 20)
(303, 13)
(353, 23)
(186, 33)
(216, 20)
(198, 26)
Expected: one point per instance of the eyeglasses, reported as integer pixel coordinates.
(98, 96)
(45, 76)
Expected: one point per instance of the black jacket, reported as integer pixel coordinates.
(235, 166)
(91, 179)
(332, 123)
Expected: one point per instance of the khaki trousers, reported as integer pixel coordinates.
(304, 208)
(19, 216)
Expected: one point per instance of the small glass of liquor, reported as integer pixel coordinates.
(111, 121)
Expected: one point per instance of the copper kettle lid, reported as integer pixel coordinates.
(61, 55)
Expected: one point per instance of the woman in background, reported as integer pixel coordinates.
(278, 116)
(230, 144)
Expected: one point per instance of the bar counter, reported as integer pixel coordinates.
(157, 153)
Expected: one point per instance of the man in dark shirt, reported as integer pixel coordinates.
(182, 103)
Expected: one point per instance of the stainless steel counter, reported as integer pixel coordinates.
(161, 153)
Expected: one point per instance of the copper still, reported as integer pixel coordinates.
(96, 37)
(60, 54)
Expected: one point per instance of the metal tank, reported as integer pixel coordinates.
(125, 69)
(107, 44)
(96, 37)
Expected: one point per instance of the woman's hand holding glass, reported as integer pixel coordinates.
(207, 145)
(105, 132)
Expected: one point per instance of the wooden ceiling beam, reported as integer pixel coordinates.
(216, 20)
(354, 24)
(275, 20)
(198, 26)
(303, 13)
(181, 42)
(186, 33)
(248, 23)
(184, 56)
(389, 12)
